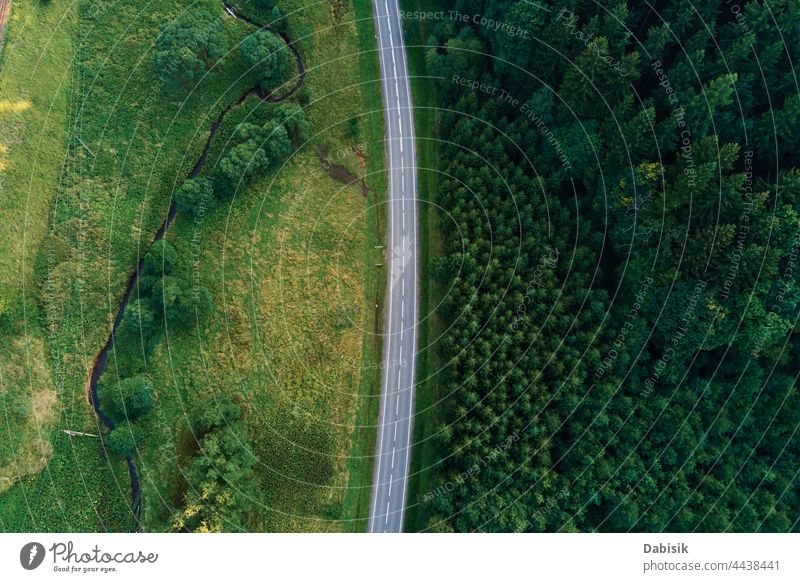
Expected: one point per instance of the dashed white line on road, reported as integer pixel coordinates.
(402, 126)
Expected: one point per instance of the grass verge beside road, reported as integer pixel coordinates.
(355, 512)
(425, 456)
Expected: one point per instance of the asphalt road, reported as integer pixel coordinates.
(393, 447)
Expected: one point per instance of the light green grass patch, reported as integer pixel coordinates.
(34, 90)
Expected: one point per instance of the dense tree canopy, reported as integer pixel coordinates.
(124, 439)
(166, 293)
(267, 58)
(130, 397)
(195, 195)
(293, 117)
(259, 148)
(622, 275)
(186, 49)
(219, 476)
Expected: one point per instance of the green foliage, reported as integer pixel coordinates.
(7, 317)
(88, 259)
(139, 316)
(131, 397)
(621, 275)
(75, 260)
(293, 117)
(124, 439)
(166, 293)
(160, 258)
(243, 161)
(260, 149)
(195, 196)
(175, 299)
(186, 50)
(37, 461)
(219, 476)
(267, 58)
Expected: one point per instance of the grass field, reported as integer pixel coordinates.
(34, 100)
(293, 266)
(104, 197)
(33, 117)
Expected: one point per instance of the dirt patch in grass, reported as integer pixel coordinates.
(342, 174)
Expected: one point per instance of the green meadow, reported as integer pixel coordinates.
(293, 264)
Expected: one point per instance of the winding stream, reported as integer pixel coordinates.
(102, 357)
